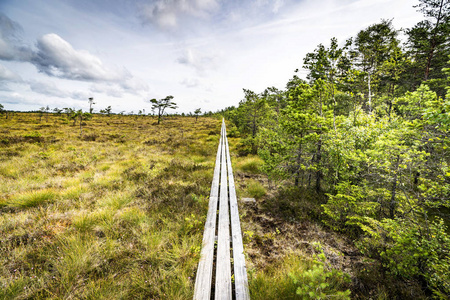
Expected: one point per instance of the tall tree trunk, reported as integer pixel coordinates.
(433, 40)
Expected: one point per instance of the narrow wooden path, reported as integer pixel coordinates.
(222, 225)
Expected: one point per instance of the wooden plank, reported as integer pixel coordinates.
(222, 191)
(223, 263)
(240, 270)
(202, 289)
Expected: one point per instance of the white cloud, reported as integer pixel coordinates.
(16, 98)
(80, 95)
(48, 88)
(200, 61)
(51, 89)
(167, 13)
(6, 51)
(11, 46)
(134, 86)
(190, 82)
(8, 75)
(273, 5)
(109, 90)
(56, 57)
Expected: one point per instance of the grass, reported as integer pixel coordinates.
(249, 164)
(281, 280)
(119, 212)
(113, 214)
(30, 198)
(255, 189)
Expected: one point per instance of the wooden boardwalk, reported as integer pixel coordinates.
(222, 225)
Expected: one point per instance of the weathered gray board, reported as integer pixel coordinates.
(240, 271)
(225, 194)
(205, 266)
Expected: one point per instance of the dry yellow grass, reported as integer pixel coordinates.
(106, 214)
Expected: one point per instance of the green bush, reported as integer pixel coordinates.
(319, 282)
(414, 251)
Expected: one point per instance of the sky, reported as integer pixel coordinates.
(59, 53)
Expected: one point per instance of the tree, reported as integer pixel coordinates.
(375, 45)
(3, 111)
(251, 115)
(391, 73)
(73, 115)
(438, 14)
(80, 115)
(69, 112)
(197, 112)
(329, 65)
(428, 43)
(41, 113)
(382, 175)
(47, 109)
(106, 111)
(161, 105)
(58, 111)
(275, 99)
(91, 102)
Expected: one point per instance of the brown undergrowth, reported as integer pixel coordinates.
(281, 232)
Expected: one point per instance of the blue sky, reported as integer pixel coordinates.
(203, 52)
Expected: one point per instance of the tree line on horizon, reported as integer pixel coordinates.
(158, 109)
(369, 129)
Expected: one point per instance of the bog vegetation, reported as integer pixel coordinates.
(367, 137)
(116, 212)
(350, 170)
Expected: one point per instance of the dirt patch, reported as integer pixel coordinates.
(270, 238)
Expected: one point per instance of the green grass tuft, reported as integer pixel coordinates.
(256, 189)
(31, 199)
(114, 218)
(250, 164)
